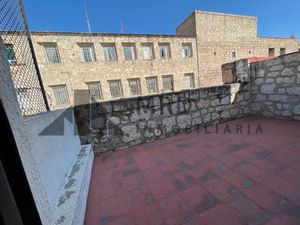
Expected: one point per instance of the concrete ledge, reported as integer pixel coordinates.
(71, 202)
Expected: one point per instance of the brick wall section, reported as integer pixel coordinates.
(276, 87)
(119, 124)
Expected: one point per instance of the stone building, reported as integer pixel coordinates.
(113, 66)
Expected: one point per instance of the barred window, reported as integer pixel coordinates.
(61, 94)
(129, 52)
(233, 55)
(88, 53)
(148, 51)
(115, 88)
(168, 83)
(187, 51)
(134, 86)
(189, 80)
(165, 51)
(52, 53)
(94, 90)
(10, 54)
(151, 83)
(23, 99)
(109, 52)
(272, 52)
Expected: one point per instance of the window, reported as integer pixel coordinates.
(233, 55)
(23, 99)
(129, 52)
(168, 83)
(187, 51)
(52, 53)
(271, 51)
(282, 51)
(250, 52)
(134, 86)
(115, 88)
(10, 54)
(215, 53)
(94, 90)
(189, 80)
(148, 51)
(109, 52)
(151, 83)
(61, 94)
(88, 53)
(164, 51)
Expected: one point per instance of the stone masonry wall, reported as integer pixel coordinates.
(123, 123)
(276, 87)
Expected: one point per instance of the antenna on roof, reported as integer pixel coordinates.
(122, 27)
(87, 18)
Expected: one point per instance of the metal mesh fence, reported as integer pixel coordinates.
(20, 55)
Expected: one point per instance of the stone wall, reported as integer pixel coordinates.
(119, 124)
(276, 87)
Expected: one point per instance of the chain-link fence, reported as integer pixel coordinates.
(20, 55)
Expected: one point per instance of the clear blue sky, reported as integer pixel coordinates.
(276, 17)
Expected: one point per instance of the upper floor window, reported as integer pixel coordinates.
(164, 51)
(94, 90)
(87, 53)
(168, 83)
(233, 55)
(10, 54)
(23, 99)
(61, 94)
(115, 88)
(189, 80)
(109, 52)
(148, 51)
(129, 52)
(272, 52)
(151, 83)
(52, 53)
(187, 51)
(134, 86)
(282, 51)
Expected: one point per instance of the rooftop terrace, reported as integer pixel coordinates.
(203, 178)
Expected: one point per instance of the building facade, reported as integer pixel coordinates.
(114, 66)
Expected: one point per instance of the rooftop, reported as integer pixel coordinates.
(204, 177)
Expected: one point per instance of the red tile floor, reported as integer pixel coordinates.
(202, 178)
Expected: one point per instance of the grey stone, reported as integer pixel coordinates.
(255, 107)
(269, 80)
(215, 116)
(225, 115)
(272, 62)
(99, 122)
(260, 73)
(215, 102)
(288, 72)
(297, 110)
(142, 125)
(204, 111)
(279, 98)
(195, 114)
(142, 114)
(259, 81)
(225, 100)
(148, 134)
(155, 101)
(169, 123)
(268, 88)
(281, 91)
(286, 113)
(130, 133)
(260, 97)
(276, 68)
(298, 68)
(183, 121)
(114, 120)
(293, 90)
(285, 80)
(152, 124)
(203, 103)
(298, 78)
(196, 121)
(279, 106)
(274, 74)
(207, 118)
(234, 112)
(292, 58)
(166, 111)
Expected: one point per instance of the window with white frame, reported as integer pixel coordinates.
(164, 51)
(147, 51)
(61, 94)
(115, 88)
(109, 52)
(151, 83)
(87, 53)
(134, 86)
(168, 83)
(189, 80)
(129, 52)
(52, 53)
(10, 54)
(187, 51)
(94, 90)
